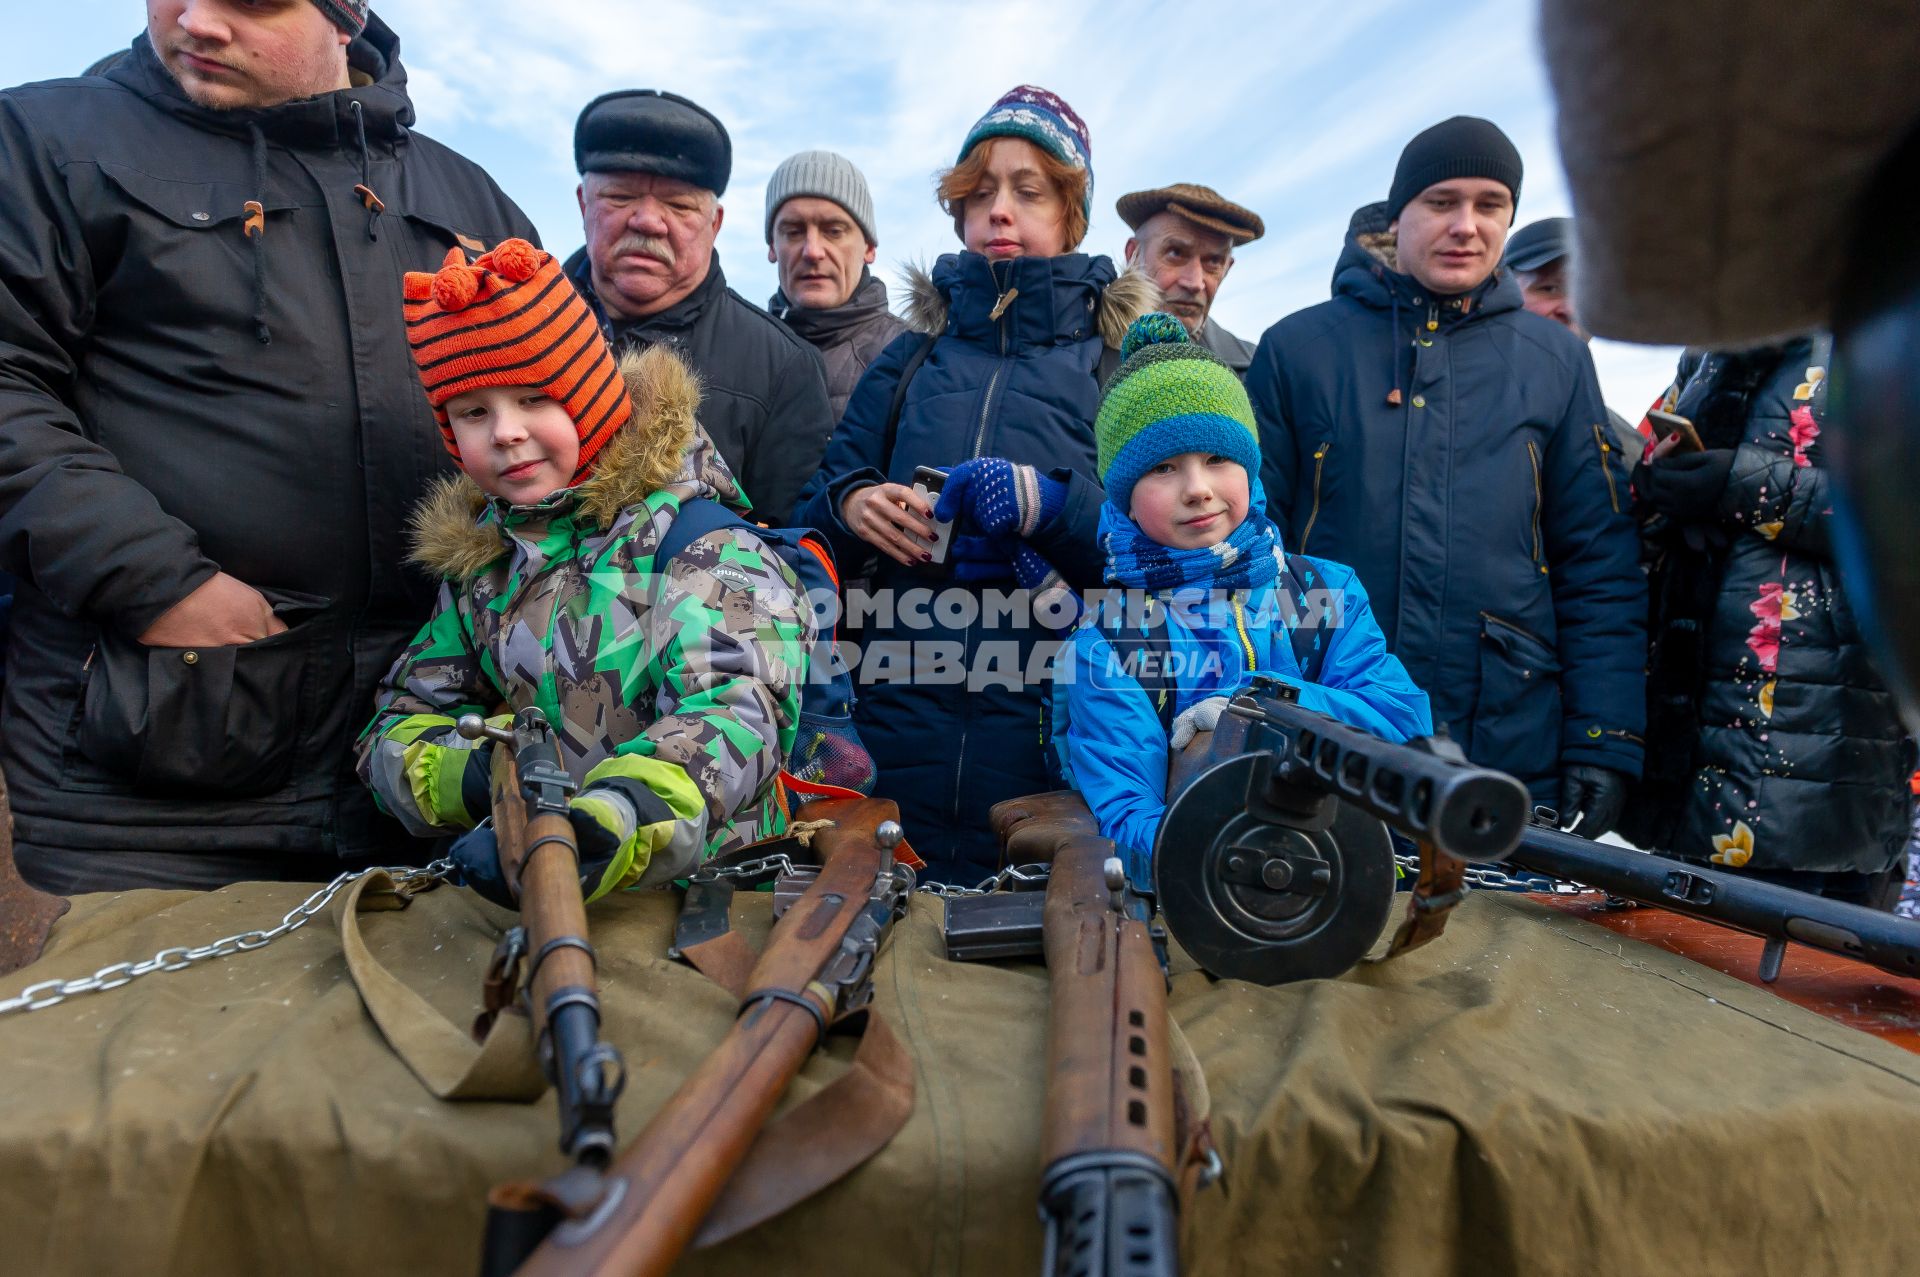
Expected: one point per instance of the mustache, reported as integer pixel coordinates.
(645, 246)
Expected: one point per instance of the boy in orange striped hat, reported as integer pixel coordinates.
(674, 686)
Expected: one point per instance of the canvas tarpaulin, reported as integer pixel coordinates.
(1529, 1094)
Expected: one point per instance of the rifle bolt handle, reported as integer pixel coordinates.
(474, 727)
(888, 834)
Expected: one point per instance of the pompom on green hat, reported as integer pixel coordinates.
(1170, 396)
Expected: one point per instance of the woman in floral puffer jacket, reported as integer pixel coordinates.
(1774, 746)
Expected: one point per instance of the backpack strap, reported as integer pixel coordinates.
(1109, 364)
(1309, 638)
(894, 409)
(1145, 654)
(697, 517)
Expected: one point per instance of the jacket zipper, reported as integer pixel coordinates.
(1606, 451)
(1521, 630)
(979, 442)
(1240, 627)
(1313, 515)
(1533, 457)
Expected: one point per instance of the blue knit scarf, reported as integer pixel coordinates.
(1245, 559)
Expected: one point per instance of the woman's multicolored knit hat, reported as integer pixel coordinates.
(1042, 118)
(511, 318)
(1169, 397)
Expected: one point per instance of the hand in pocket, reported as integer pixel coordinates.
(223, 611)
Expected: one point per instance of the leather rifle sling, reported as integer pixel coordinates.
(824, 1137)
(1442, 884)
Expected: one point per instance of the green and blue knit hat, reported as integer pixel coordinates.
(1169, 397)
(1042, 118)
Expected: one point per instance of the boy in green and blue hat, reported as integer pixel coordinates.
(1207, 599)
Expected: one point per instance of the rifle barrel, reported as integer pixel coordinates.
(1469, 812)
(1728, 899)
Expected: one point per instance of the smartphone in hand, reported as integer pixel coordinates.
(1670, 424)
(929, 483)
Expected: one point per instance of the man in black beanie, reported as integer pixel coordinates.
(1453, 448)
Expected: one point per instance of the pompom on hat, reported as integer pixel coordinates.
(511, 318)
(1170, 396)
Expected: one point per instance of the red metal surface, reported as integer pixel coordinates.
(1845, 991)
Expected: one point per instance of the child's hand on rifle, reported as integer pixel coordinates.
(618, 826)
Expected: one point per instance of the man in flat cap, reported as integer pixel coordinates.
(652, 169)
(1540, 255)
(1183, 240)
(820, 233)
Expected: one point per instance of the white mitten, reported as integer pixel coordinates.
(1198, 718)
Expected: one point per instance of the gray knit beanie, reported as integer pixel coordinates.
(826, 176)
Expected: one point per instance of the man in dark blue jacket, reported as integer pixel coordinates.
(1453, 448)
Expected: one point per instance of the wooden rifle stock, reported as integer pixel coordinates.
(541, 864)
(657, 1194)
(1107, 1194)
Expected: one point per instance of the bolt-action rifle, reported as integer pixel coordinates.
(540, 863)
(638, 1217)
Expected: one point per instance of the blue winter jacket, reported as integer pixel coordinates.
(1454, 452)
(968, 727)
(1108, 730)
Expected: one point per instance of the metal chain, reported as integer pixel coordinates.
(1025, 874)
(748, 868)
(38, 997)
(1487, 878)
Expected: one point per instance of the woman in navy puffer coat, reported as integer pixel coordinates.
(953, 696)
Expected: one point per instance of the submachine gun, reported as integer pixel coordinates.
(1257, 879)
(1273, 861)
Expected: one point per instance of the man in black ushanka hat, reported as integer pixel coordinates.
(653, 167)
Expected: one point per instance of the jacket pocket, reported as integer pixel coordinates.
(211, 720)
(1319, 469)
(1516, 717)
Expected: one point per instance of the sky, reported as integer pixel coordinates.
(1297, 110)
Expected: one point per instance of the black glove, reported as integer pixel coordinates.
(1597, 795)
(476, 858)
(1687, 485)
(476, 863)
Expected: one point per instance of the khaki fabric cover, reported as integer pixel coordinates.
(1528, 1095)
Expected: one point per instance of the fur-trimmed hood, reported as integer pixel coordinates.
(456, 530)
(1050, 295)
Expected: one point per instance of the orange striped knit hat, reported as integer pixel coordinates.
(512, 319)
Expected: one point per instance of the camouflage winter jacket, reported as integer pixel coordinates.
(686, 680)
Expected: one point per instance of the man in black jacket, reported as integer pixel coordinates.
(652, 169)
(211, 434)
(1452, 449)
